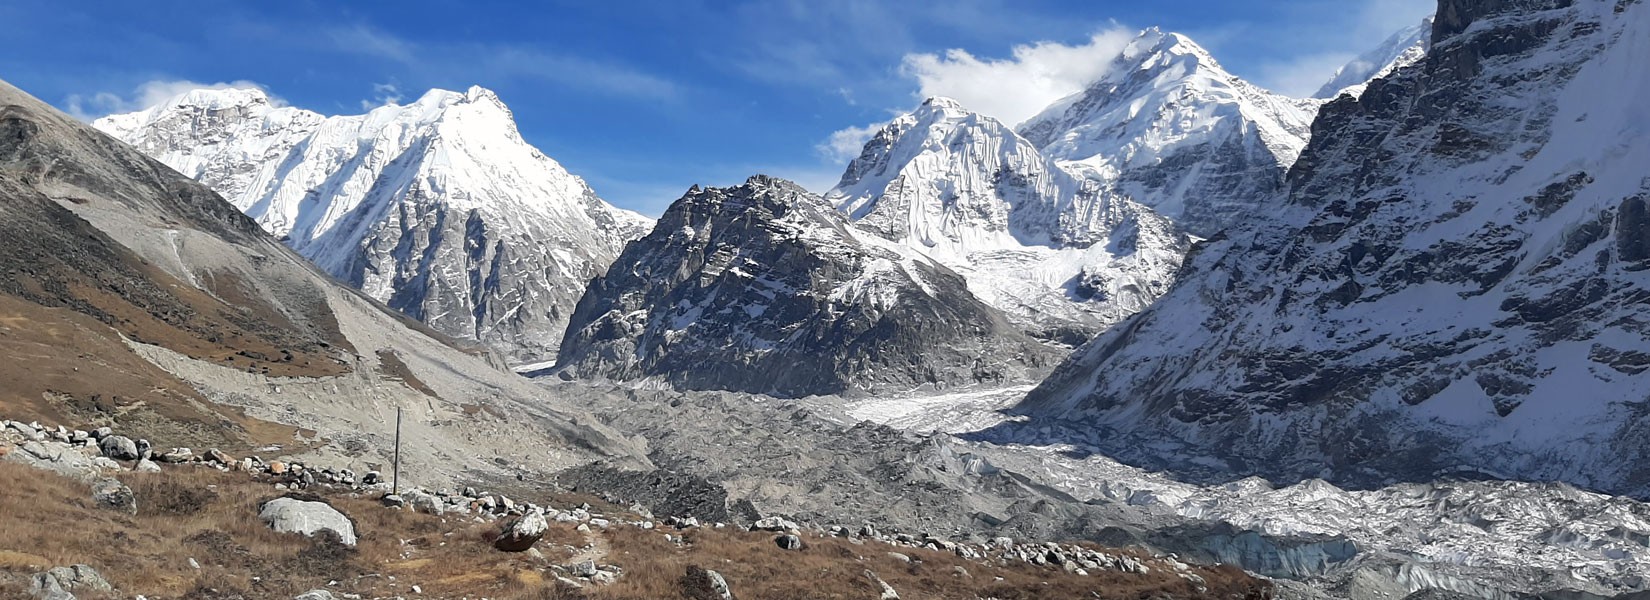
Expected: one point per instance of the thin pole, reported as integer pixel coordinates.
(395, 484)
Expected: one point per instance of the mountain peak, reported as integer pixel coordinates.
(942, 102)
(414, 204)
(1404, 48)
(218, 99)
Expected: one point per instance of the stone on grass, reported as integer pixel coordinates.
(114, 495)
(290, 515)
(788, 542)
(61, 583)
(119, 447)
(705, 584)
(522, 533)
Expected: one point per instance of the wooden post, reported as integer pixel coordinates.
(395, 483)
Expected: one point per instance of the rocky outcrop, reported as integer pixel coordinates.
(1453, 287)
(765, 288)
(62, 582)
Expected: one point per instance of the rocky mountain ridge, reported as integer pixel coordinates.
(1452, 288)
(1169, 128)
(1404, 48)
(137, 294)
(765, 288)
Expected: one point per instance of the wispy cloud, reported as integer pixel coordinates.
(490, 62)
(846, 144)
(87, 107)
(369, 41)
(1016, 88)
(574, 71)
(383, 94)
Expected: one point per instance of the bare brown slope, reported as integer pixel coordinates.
(130, 292)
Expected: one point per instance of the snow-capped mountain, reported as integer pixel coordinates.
(1052, 250)
(765, 288)
(438, 208)
(1169, 128)
(138, 294)
(1456, 283)
(1403, 49)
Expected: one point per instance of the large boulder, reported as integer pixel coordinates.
(291, 515)
(522, 533)
(119, 447)
(114, 495)
(705, 584)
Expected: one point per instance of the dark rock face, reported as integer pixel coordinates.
(765, 288)
(1442, 293)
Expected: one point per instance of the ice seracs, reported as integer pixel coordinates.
(1052, 250)
(1167, 127)
(438, 207)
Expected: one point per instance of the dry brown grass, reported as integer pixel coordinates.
(830, 568)
(199, 513)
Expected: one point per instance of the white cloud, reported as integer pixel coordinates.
(1017, 88)
(150, 93)
(383, 94)
(368, 41)
(846, 144)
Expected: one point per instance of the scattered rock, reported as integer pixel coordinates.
(888, 592)
(586, 569)
(788, 542)
(176, 455)
(145, 449)
(522, 533)
(277, 468)
(146, 466)
(289, 515)
(372, 478)
(119, 447)
(102, 432)
(217, 456)
(315, 595)
(773, 524)
(114, 495)
(705, 584)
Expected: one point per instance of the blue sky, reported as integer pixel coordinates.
(644, 99)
